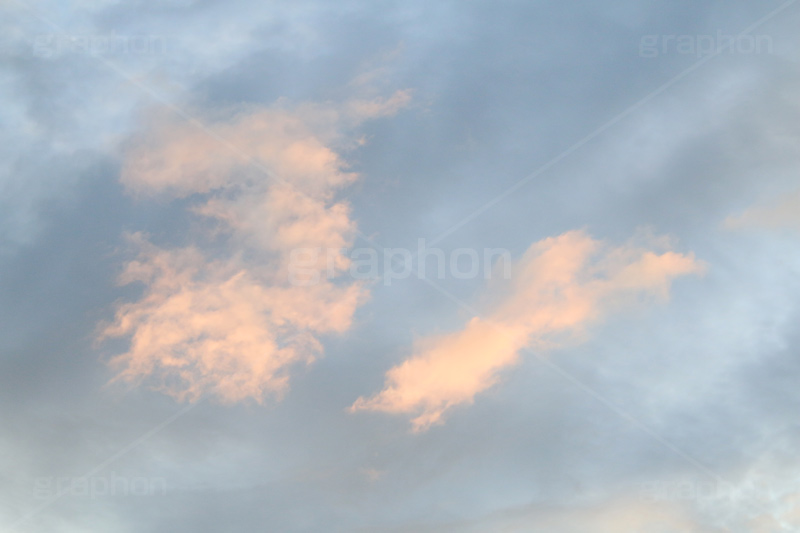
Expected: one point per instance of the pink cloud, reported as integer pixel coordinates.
(216, 328)
(559, 287)
(782, 212)
(232, 328)
(294, 146)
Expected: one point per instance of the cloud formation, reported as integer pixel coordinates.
(218, 328)
(781, 213)
(231, 324)
(559, 287)
(626, 513)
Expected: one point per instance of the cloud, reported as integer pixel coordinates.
(559, 287)
(623, 514)
(294, 146)
(231, 324)
(783, 213)
(216, 328)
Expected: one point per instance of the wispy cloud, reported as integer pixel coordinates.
(231, 324)
(780, 213)
(629, 512)
(560, 286)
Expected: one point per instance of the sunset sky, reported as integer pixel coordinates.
(399, 267)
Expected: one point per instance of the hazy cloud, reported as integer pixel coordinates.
(780, 213)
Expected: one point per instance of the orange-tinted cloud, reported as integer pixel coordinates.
(294, 146)
(215, 328)
(783, 213)
(232, 328)
(560, 286)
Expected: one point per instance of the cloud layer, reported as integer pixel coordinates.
(231, 323)
(780, 213)
(500, 89)
(558, 288)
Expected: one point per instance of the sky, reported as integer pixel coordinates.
(440, 267)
